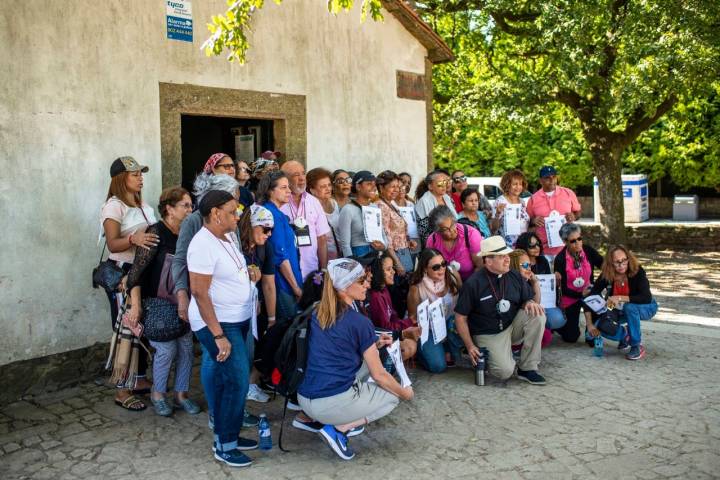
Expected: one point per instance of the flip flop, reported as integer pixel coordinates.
(131, 403)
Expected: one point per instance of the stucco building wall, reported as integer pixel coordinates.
(80, 86)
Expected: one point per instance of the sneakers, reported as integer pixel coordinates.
(355, 431)
(636, 353)
(257, 395)
(250, 420)
(243, 444)
(531, 376)
(294, 406)
(308, 426)
(337, 441)
(624, 344)
(162, 407)
(234, 458)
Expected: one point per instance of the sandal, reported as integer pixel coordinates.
(131, 403)
(189, 406)
(162, 407)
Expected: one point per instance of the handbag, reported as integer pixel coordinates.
(161, 320)
(107, 274)
(609, 322)
(166, 287)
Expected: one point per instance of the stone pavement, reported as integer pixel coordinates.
(601, 418)
(596, 418)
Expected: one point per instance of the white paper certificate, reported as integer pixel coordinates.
(437, 320)
(596, 303)
(513, 221)
(394, 352)
(372, 223)
(254, 311)
(422, 320)
(548, 290)
(552, 229)
(408, 214)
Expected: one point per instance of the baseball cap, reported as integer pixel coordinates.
(362, 176)
(268, 154)
(126, 164)
(547, 170)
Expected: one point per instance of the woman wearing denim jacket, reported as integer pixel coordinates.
(628, 289)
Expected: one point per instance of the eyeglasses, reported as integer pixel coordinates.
(447, 229)
(575, 240)
(340, 181)
(525, 265)
(533, 245)
(460, 179)
(183, 205)
(267, 230)
(226, 166)
(244, 169)
(620, 263)
(438, 266)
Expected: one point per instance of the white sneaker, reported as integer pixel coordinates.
(294, 406)
(257, 395)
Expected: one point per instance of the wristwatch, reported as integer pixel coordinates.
(218, 337)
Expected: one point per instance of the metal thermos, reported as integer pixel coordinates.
(480, 367)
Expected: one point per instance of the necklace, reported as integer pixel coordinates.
(236, 260)
(502, 305)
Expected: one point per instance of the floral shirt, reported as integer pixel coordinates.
(395, 226)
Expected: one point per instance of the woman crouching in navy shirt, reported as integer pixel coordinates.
(342, 355)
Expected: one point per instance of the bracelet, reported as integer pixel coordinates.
(218, 337)
(271, 318)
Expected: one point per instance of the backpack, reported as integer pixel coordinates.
(466, 222)
(291, 359)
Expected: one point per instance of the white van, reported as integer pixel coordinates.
(490, 187)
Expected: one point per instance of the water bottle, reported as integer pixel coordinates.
(264, 434)
(598, 348)
(480, 367)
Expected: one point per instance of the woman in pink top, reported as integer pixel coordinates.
(458, 244)
(382, 312)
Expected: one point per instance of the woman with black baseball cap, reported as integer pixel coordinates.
(351, 226)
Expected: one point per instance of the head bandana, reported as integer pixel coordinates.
(213, 160)
(344, 271)
(261, 217)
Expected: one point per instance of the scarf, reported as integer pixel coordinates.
(431, 290)
(213, 160)
(124, 356)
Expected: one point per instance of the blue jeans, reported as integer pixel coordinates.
(406, 259)
(228, 387)
(432, 356)
(632, 314)
(361, 250)
(554, 318)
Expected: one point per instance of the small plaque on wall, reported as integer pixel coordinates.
(410, 85)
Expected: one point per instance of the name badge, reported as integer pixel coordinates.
(302, 232)
(486, 298)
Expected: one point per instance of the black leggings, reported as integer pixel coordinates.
(570, 332)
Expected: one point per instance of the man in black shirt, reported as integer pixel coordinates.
(495, 310)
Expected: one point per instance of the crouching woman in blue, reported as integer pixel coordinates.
(342, 355)
(628, 289)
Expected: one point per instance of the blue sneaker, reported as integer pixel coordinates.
(243, 444)
(234, 458)
(624, 344)
(337, 441)
(531, 376)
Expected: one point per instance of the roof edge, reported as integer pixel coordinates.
(438, 50)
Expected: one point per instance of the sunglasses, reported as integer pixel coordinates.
(533, 245)
(363, 279)
(460, 179)
(267, 230)
(575, 240)
(620, 262)
(438, 266)
(226, 166)
(442, 183)
(525, 265)
(340, 181)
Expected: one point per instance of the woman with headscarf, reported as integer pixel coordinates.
(437, 183)
(342, 356)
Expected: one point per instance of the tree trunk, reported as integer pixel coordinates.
(607, 166)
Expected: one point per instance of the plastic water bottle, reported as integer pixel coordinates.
(264, 434)
(598, 348)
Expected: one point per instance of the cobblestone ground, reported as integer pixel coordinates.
(596, 418)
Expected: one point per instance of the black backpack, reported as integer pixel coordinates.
(291, 359)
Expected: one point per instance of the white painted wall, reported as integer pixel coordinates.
(79, 87)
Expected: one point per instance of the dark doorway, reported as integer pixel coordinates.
(202, 136)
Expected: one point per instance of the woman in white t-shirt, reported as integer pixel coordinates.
(512, 184)
(223, 292)
(124, 219)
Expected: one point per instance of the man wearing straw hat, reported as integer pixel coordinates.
(495, 310)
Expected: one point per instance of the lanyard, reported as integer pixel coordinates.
(238, 263)
(492, 289)
(300, 210)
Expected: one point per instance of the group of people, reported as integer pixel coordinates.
(235, 261)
